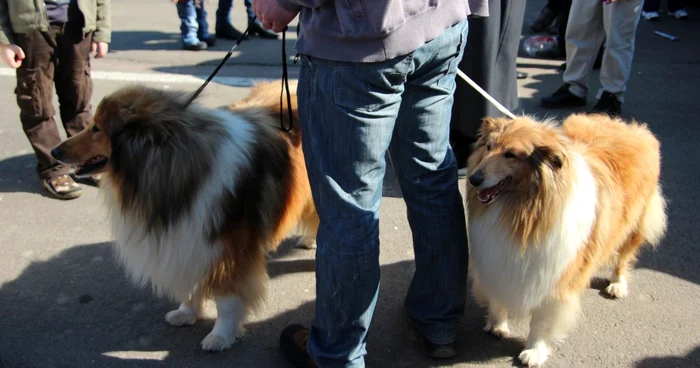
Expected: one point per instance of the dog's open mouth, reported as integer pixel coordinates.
(91, 165)
(487, 195)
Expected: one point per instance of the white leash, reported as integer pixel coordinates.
(487, 96)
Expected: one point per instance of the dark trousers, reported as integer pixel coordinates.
(60, 57)
(655, 5)
(489, 60)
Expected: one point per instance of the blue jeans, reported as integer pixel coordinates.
(223, 12)
(351, 114)
(193, 22)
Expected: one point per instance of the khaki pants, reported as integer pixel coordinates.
(59, 57)
(590, 23)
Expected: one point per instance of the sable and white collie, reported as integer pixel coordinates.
(547, 206)
(198, 196)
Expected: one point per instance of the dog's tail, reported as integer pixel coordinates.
(654, 222)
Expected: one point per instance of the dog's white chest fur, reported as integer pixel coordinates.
(523, 280)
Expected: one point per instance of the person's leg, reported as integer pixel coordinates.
(224, 29)
(203, 25)
(73, 81)
(426, 170)
(490, 60)
(223, 13)
(347, 112)
(584, 36)
(35, 100)
(189, 27)
(621, 20)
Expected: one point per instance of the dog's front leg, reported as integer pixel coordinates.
(231, 312)
(188, 312)
(550, 322)
(497, 324)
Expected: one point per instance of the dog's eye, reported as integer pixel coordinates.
(488, 147)
(95, 129)
(509, 154)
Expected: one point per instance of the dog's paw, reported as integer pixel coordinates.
(617, 288)
(499, 330)
(181, 317)
(535, 356)
(217, 343)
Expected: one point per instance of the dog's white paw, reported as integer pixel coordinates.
(535, 356)
(217, 343)
(181, 317)
(499, 330)
(617, 288)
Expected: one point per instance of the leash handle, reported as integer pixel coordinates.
(211, 76)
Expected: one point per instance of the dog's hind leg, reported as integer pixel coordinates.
(309, 224)
(651, 230)
(625, 258)
(188, 312)
(550, 322)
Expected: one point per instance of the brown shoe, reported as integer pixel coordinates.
(63, 187)
(293, 344)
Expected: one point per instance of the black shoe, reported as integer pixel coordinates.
(522, 75)
(439, 351)
(210, 41)
(293, 345)
(608, 104)
(199, 46)
(228, 32)
(563, 98)
(257, 30)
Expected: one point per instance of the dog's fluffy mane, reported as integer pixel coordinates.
(149, 127)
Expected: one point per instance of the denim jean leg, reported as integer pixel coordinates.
(223, 13)
(427, 172)
(203, 31)
(188, 22)
(346, 135)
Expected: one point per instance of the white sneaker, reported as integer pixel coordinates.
(679, 14)
(650, 16)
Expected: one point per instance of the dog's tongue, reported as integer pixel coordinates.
(486, 195)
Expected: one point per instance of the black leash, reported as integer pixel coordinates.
(285, 76)
(285, 85)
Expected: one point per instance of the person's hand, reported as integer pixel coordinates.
(99, 49)
(271, 15)
(12, 55)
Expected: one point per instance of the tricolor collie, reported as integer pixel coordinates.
(198, 196)
(548, 205)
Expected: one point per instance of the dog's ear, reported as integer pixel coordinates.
(491, 124)
(548, 155)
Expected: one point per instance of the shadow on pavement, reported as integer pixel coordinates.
(690, 360)
(18, 175)
(78, 309)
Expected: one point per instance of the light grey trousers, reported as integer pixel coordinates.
(590, 23)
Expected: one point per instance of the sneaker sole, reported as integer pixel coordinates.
(70, 195)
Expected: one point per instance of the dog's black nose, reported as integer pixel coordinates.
(55, 152)
(476, 179)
